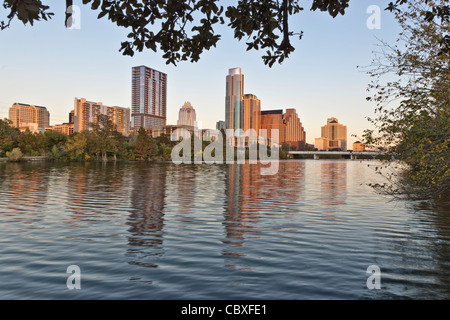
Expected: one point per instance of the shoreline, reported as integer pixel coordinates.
(45, 159)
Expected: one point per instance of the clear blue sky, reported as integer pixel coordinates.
(49, 65)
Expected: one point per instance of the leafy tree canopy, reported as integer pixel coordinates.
(184, 29)
(417, 131)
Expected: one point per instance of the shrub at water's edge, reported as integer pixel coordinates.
(14, 155)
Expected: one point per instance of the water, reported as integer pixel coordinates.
(162, 231)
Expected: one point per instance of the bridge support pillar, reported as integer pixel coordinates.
(316, 157)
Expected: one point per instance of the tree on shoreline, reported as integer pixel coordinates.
(145, 146)
(8, 136)
(417, 131)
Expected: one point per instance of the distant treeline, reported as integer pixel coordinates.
(102, 143)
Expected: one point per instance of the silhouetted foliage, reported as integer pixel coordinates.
(183, 30)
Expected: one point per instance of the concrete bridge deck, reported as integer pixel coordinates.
(353, 154)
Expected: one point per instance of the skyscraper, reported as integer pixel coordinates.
(233, 98)
(186, 116)
(24, 116)
(295, 133)
(290, 129)
(149, 97)
(334, 136)
(273, 120)
(72, 116)
(251, 113)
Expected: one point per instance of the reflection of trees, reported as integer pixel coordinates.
(27, 189)
(92, 189)
(442, 252)
(250, 198)
(146, 218)
(420, 267)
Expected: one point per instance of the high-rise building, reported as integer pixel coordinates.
(233, 98)
(149, 97)
(273, 120)
(72, 116)
(334, 136)
(290, 129)
(251, 113)
(25, 116)
(87, 113)
(295, 135)
(186, 116)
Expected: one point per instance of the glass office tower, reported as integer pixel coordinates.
(233, 99)
(149, 98)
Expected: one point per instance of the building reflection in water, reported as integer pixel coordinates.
(77, 193)
(183, 187)
(252, 199)
(333, 187)
(146, 218)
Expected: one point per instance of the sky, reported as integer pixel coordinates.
(49, 65)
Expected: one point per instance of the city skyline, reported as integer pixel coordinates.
(243, 112)
(319, 80)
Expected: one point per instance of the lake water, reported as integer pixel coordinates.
(165, 231)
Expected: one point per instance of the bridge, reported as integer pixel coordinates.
(353, 154)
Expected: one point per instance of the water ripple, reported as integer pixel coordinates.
(161, 231)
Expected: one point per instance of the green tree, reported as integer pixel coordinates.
(417, 130)
(117, 145)
(8, 137)
(104, 139)
(76, 147)
(145, 146)
(14, 155)
(54, 139)
(31, 144)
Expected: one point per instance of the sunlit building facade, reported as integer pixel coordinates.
(359, 146)
(251, 113)
(149, 98)
(290, 129)
(65, 128)
(25, 116)
(334, 136)
(295, 135)
(87, 113)
(233, 98)
(186, 115)
(272, 120)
